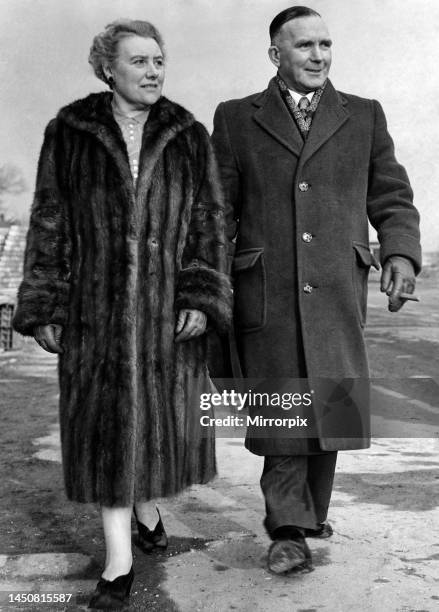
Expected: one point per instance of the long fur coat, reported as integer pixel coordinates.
(113, 264)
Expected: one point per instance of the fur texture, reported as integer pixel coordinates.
(113, 264)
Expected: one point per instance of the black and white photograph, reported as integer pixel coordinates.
(219, 325)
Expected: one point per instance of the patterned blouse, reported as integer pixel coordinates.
(132, 130)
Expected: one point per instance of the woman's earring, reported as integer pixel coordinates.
(110, 80)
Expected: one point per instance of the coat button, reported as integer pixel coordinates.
(303, 186)
(306, 237)
(307, 288)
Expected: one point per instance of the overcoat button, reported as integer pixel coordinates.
(306, 237)
(307, 288)
(303, 186)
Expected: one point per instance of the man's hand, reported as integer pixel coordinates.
(190, 323)
(49, 337)
(398, 277)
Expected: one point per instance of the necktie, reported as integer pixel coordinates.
(302, 118)
(303, 106)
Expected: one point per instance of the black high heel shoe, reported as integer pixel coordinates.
(148, 539)
(112, 594)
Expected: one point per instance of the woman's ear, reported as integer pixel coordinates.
(108, 72)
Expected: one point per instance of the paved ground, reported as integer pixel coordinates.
(384, 556)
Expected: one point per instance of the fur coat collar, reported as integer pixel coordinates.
(93, 114)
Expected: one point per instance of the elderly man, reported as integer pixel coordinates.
(304, 167)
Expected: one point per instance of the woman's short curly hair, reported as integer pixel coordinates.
(104, 47)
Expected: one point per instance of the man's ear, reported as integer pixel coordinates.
(273, 54)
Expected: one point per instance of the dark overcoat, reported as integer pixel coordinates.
(113, 264)
(300, 215)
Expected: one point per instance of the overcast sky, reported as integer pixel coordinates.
(384, 49)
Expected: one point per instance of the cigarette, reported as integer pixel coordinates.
(409, 296)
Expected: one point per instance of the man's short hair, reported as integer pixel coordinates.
(294, 12)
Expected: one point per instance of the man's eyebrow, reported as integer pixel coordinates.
(307, 41)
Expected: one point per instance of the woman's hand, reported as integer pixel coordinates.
(49, 337)
(190, 323)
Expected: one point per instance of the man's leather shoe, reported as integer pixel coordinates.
(323, 531)
(287, 554)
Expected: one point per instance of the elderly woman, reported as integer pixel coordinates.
(124, 267)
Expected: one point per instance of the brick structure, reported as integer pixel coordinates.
(12, 245)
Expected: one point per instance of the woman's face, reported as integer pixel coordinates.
(138, 72)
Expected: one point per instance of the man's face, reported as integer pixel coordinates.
(302, 53)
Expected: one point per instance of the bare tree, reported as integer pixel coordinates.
(11, 182)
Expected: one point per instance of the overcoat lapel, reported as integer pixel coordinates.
(330, 115)
(273, 116)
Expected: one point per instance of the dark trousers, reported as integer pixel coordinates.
(297, 489)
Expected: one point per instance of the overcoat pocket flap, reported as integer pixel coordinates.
(246, 259)
(364, 255)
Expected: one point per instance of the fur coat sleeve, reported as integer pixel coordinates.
(202, 282)
(44, 292)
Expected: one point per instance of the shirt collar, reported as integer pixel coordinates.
(139, 117)
(296, 96)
